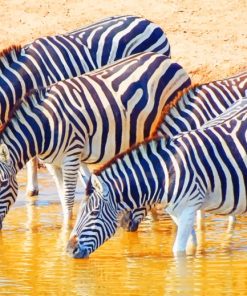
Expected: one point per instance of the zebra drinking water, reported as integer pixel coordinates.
(87, 120)
(201, 169)
(193, 108)
(50, 59)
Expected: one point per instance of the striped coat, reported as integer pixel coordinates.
(88, 119)
(202, 169)
(53, 58)
(191, 109)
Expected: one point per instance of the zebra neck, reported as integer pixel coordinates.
(142, 177)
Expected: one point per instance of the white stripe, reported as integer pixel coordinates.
(143, 173)
(61, 57)
(54, 79)
(79, 54)
(50, 57)
(38, 69)
(6, 99)
(126, 177)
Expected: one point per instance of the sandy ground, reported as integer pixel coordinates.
(208, 38)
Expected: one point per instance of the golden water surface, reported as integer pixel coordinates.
(33, 260)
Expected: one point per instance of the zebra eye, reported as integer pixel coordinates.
(95, 212)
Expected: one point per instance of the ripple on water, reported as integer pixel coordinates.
(33, 260)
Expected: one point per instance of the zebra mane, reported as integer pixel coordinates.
(121, 155)
(167, 108)
(30, 96)
(8, 55)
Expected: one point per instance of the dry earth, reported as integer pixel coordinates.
(208, 38)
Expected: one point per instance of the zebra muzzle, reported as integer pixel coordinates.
(75, 250)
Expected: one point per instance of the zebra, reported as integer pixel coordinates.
(53, 58)
(204, 168)
(86, 120)
(192, 108)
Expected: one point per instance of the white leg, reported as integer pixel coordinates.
(71, 166)
(32, 180)
(66, 181)
(57, 174)
(200, 220)
(229, 233)
(192, 243)
(185, 224)
(231, 223)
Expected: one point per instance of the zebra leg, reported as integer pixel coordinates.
(57, 174)
(200, 220)
(185, 228)
(66, 180)
(229, 233)
(192, 243)
(231, 223)
(71, 166)
(32, 180)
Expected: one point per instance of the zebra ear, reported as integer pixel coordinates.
(98, 184)
(4, 153)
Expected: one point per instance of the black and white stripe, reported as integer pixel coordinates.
(192, 109)
(50, 59)
(202, 169)
(88, 119)
(203, 103)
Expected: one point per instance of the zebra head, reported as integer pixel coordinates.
(8, 183)
(96, 221)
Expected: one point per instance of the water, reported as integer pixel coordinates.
(33, 260)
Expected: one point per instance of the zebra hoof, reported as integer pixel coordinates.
(33, 192)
